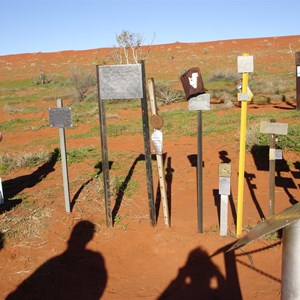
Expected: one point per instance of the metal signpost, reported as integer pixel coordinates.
(62, 118)
(297, 59)
(157, 139)
(198, 100)
(245, 66)
(124, 82)
(272, 128)
(224, 191)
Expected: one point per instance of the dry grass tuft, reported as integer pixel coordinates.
(29, 224)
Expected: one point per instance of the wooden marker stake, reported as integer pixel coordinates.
(157, 122)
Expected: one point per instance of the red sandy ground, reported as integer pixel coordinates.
(134, 260)
(141, 261)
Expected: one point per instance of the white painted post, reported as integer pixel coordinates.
(1, 193)
(224, 191)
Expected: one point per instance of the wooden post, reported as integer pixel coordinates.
(64, 163)
(272, 175)
(159, 157)
(272, 128)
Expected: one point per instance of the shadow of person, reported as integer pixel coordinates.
(198, 279)
(78, 273)
(13, 187)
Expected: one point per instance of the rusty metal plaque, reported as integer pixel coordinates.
(60, 117)
(121, 81)
(157, 121)
(274, 223)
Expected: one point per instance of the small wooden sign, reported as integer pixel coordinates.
(224, 170)
(273, 128)
(121, 81)
(60, 117)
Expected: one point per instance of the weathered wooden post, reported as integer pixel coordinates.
(198, 100)
(62, 118)
(157, 139)
(273, 128)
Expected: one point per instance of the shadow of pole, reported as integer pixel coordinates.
(251, 187)
(124, 185)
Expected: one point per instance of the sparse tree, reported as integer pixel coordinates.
(129, 41)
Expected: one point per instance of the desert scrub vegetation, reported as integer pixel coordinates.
(10, 163)
(83, 83)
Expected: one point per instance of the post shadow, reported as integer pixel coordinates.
(261, 159)
(217, 200)
(122, 189)
(77, 194)
(169, 179)
(77, 273)
(194, 279)
(13, 187)
(252, 187)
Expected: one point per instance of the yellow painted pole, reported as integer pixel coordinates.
(243, 130)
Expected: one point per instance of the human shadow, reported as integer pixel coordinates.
(77, 273)
(231, 273)
(77, 194)
(123, 187)
(195, 279)
(13, 187)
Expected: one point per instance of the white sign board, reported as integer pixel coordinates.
(200, 102)
(121, 81)
(273, 128)
(245, 64)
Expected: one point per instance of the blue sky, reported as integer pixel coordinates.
(50, 26)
